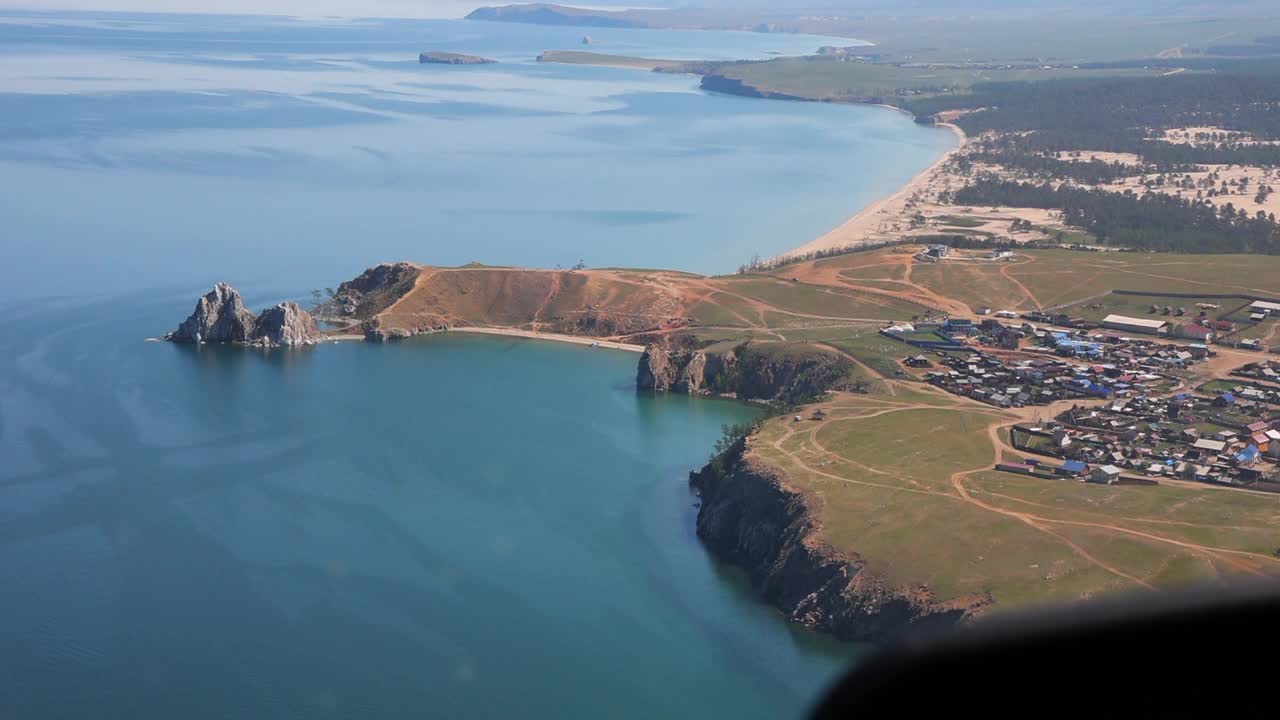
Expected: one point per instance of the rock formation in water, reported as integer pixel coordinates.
(286, 324)
(752, 517)
(220, 317)
(438, 57)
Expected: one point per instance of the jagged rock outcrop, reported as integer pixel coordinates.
(219, 317)
(789, 372)
(374, 290)
(286, 324)
(752, 517)
(658, 370)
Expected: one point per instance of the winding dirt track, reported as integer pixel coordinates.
(1239, 561)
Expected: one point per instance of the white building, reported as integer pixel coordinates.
(1213, 446)
(1106, 474)
(1265, 308)
(1138, 325)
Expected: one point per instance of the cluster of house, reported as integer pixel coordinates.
(1076, 469)
(1156, 437)
(1201, 329)
(1139, 355)
(1036, 381)
(1268, 370)
(1129, 354)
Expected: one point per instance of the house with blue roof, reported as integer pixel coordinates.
(1071, 468)
(1248, 456)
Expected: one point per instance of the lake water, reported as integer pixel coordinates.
(450, 527)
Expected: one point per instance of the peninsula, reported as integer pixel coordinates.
(1042, 372)
(447, 58)
(925, 461)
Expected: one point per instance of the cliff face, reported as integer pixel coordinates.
(286, 324)
(752, 518)
(220, 317)
(789, 372)
(714, 82)
(374, 290)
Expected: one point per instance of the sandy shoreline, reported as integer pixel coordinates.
(867, 221)
(532, 335)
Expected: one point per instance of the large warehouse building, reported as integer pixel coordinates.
(1136, 325)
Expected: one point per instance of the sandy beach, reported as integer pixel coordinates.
(866, 223)
(576, 340)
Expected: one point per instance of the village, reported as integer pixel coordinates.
(1223, 440)
(1139, 412)
(1015, 366)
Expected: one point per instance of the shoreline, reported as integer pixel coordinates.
(554, 337)
(856, 228)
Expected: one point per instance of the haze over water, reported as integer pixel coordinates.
(451, 527)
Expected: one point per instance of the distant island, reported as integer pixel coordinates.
(448, 58)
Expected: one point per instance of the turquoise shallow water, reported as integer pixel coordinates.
(452, 527)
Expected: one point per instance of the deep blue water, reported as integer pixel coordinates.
(178, 149)
(450, 527)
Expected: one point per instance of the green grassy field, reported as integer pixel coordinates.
(834, 79)
(1062, 278)
(885, 470)
(1140, 306)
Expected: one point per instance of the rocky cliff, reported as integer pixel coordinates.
(787, 372)
(714, 82)
(374, 290)
(220, 317)
(751, 516)
(286, 324)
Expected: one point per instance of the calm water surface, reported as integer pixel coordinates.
(451, 527)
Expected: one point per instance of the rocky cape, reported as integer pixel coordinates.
(751, 516)
(439, 57)
(783, 372)
(221, 317)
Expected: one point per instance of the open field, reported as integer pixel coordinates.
(1140, 306)
(834, 79)
(907, 486)
(902, 473)
(1062, 278)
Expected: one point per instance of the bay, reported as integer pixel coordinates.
(450, 527)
